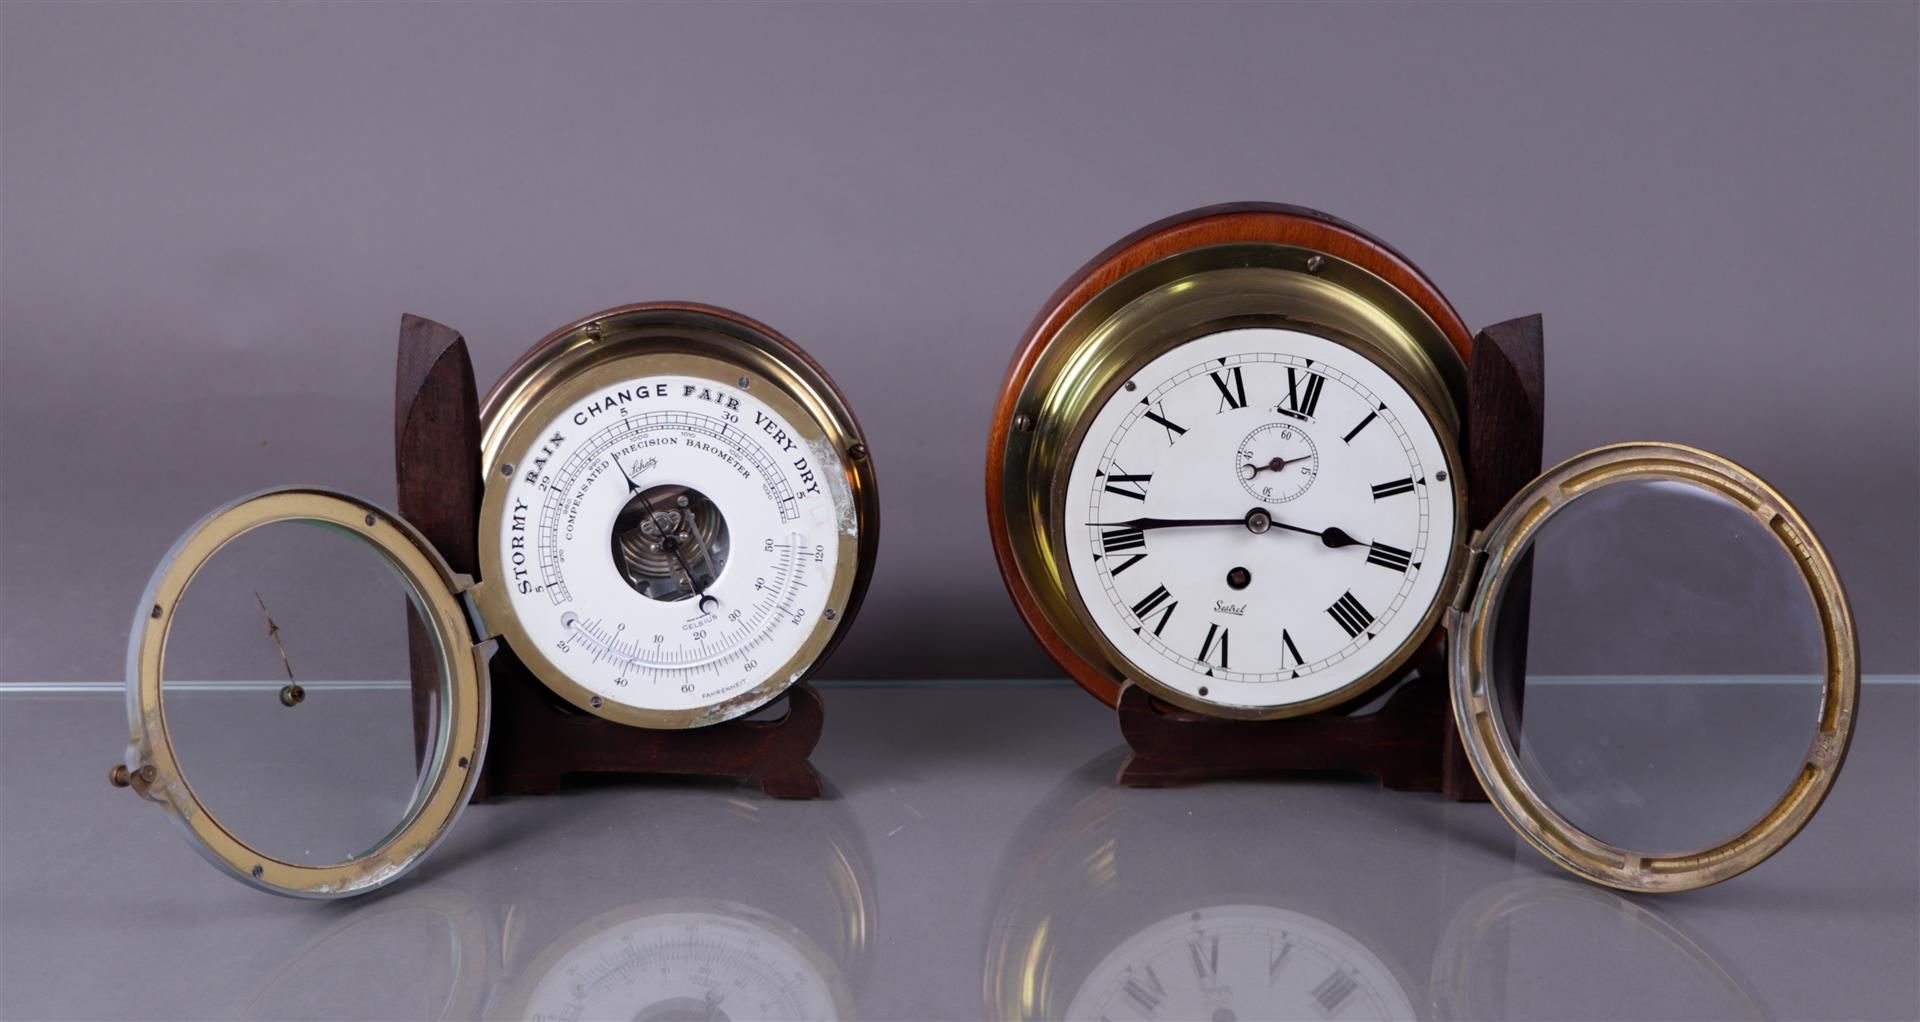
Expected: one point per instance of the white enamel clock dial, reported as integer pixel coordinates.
(1260, 518)
(671, 543)
(1238, 962)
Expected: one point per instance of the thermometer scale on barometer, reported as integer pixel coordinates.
(677, 522)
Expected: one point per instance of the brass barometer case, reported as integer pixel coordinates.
(1253, 267)
(595, 360)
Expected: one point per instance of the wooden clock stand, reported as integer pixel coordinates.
(536, 740)
(1409, 742)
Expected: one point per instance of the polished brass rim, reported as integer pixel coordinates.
(1482, 717)
(651, 340)
(1157, 308)
(452, 767)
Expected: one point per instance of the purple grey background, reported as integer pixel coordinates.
(212, 218)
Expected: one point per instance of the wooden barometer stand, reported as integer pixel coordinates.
(536, 741)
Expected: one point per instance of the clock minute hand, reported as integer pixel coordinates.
(1167, 523)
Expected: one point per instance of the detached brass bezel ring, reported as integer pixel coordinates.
(1481, 716)
(674, 339)
(453, 763)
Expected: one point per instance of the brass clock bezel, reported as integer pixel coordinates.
(1194, 274)
(674, 339)
(1481, 717)
(452, 763)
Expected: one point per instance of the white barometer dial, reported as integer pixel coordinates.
(672, 542)
(697, 960)
(1260, 517)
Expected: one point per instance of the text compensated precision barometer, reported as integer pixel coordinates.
(1227, 467)
(677, 522)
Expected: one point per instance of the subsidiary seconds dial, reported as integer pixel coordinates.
(1261, 518)
(672, 543)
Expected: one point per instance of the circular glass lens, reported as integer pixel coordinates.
(1673, 663)
(285, 693)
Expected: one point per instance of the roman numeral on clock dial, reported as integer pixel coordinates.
(1355, 431)
(1150, 602)
(1119, 541)
(1392, 489)
(1388, 556)
(1216, 640)
(1125, 485)
(1174, 430)
(1352, 617)
(1234, 395)
(1303, 393)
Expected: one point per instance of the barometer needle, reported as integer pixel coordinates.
(669, 543)
(632, 487)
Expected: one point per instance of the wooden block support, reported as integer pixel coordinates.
(1409, 742)
(537, 741)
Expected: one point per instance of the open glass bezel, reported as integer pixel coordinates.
(1483, 718)
(452, 761)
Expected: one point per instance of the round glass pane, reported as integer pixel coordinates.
(1673, 661)
(1652, 635)
(285, 693)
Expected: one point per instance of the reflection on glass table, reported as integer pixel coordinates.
(974, 858)
(738, 941)
(1307, 904)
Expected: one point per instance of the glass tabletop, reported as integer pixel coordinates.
(973, 858)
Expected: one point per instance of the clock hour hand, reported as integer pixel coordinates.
(1261, 520)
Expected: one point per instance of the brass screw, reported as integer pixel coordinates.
(1440, 476)
(596, 702)
(1023, 423)
(746, 384)
(857, 452)
(156, 612)
(1314, 263)
(120, 777)
(593, 331)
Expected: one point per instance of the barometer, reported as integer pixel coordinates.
(676, 522)
(1229, 469)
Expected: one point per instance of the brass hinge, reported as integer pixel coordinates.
(1471, 571)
